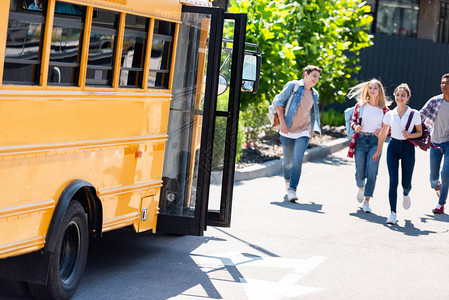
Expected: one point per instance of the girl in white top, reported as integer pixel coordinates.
(371, 97)
(399, 148)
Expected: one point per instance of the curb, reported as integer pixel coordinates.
(274, 167)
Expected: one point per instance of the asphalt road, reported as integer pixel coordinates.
(323, 247)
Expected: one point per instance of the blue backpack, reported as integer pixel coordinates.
(348, 115)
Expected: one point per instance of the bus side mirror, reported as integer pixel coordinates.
(251, 73)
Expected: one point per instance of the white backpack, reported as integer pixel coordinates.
(272, 114)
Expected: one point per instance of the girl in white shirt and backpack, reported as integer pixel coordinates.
(399, 148)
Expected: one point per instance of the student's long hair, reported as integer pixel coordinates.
(361, 93)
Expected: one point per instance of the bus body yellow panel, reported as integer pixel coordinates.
(114, 143)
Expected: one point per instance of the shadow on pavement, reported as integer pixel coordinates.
(331, 160)
(260, 249)
(370, 217)
(433, 217)
(408, 229)
(411, 230)
(170, 270)
(300, 205)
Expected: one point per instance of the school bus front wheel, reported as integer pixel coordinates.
(68, 261)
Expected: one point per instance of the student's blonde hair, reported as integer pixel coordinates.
(361, 93)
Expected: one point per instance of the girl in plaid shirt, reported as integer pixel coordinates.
(371, 99)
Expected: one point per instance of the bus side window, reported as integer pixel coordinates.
(161, 54)
(23, 42)
(100, 61)
(66, 39)
(133, 53)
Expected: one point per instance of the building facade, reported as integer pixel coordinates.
(411, 45)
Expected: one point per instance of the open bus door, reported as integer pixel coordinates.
(206, 66)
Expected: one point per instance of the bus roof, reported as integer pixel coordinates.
(166, 9)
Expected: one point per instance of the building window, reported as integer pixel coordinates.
(395, 17)
(443, 27)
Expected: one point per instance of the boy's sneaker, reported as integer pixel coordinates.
(366, 207)
(438, 210)
(392, 219)
(291, 196)
(406, 202)
(360, 194)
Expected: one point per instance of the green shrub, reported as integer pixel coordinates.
(220, 135)
(332, 117)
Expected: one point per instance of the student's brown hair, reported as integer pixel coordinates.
(310, 68)
(405, 87)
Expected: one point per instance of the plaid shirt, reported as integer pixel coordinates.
(429, 111)
(355, 120)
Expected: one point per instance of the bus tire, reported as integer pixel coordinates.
(68, 261)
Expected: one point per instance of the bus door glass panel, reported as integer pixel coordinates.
(221, 118)
(23, 42)
(178, 196)
(226, 121)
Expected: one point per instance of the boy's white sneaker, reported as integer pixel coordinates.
(406, 202)
(366, 207)
(360, 194)
(291, 196)
(392, 219)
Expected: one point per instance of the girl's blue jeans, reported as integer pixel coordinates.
(293, 151)
(435, 166)
(365, 168)
(404, 151)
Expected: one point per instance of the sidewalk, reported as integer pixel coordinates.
(274, 167)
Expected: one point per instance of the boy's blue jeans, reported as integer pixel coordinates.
(435, 166)
(365, 167)
(293, 151)
(404, 151)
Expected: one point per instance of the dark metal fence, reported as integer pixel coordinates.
(417, 62)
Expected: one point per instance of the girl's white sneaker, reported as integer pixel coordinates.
(406, 202)
(392, 219)
(360, 194)
(291, 195)
(366, 207)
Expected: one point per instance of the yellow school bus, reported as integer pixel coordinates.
(108, 111)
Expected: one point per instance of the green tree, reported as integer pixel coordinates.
(330, 34)
(266, 28)
(294, 33)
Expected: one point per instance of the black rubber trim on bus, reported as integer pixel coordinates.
(94, 210)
